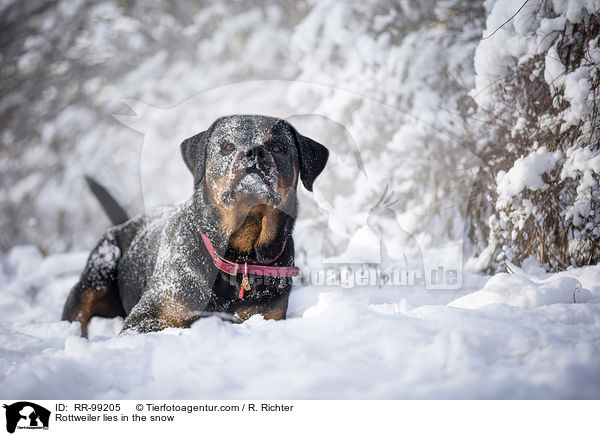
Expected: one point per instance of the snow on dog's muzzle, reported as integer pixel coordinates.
(254, 188)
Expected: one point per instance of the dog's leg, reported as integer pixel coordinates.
(152, 314)
(142, 320)
(97, 292)
(275, 309)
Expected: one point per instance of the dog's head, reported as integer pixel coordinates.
(249, 161)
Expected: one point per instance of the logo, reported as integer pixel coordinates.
(26, 415)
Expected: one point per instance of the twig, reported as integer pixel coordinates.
(506, 22)
(574, 291)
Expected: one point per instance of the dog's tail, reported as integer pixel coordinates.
(116, 213)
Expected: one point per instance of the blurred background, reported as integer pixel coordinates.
(407, 94)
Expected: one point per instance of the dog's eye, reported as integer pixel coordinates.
(227, 148)
(276, 148)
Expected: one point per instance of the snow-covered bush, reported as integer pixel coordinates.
(537, 88)
(417, 59)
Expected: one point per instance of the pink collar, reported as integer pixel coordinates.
(233, 269)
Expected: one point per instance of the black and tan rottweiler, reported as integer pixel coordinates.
(227, 250)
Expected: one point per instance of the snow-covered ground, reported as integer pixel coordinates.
(528, 334)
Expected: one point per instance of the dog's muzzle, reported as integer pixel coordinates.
(254, 187)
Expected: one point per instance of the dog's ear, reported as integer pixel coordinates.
(313, 157)
(193, 151)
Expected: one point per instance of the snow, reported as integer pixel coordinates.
(524, 292)
(255, 184)
(577, 91)
(511, 44)
(582, 162)
(526, 172)
(517, 335)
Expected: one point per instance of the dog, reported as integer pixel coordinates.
(228, 250)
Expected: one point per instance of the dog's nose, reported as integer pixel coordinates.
(258, 153)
